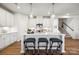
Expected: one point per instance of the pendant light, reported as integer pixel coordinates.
(53, 15)
(31, 15)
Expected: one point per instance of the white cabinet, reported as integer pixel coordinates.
(2, 43)
(10, 19)
(13, 37)
(7, 39)
(2, 17)
(6, 18)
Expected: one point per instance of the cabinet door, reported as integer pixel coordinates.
(6, 18)
(15, 36)
(10, 19)
(2, 17)
(12, 37)
(2, 43)
(7, 39)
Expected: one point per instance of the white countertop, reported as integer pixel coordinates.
(7, 30)
(8, 33)
(56, 32)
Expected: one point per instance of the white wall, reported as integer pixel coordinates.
(73, 22)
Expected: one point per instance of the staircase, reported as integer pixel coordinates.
(62, 30)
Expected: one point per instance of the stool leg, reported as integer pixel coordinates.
(57, 50)
(34, 49)
(50, 47)
(61, 49)
(38, 48)
(46, 48)
(26, 50)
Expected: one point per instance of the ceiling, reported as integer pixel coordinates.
(42, 9)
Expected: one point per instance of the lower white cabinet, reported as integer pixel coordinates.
(7, 39)
(2, 42)
(12, 37)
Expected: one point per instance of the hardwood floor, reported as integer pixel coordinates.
(71, 47)
(13, 49)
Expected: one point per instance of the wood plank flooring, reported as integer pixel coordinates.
(13, 49)
(71, 47)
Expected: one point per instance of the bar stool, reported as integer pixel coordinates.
(58, 46)
(43, 40)
(29, 40)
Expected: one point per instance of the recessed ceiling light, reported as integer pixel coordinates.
(67, 14)
(53, 15)
(31, 16)
(18, 7)
(48, 13)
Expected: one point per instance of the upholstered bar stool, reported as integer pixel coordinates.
(57, 46)
(29, 40)
(43, 40)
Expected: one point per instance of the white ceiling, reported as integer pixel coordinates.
(42, 9)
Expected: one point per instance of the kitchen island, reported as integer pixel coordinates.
(54, 34)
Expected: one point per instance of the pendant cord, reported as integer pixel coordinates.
(31, 8)
(53, 7)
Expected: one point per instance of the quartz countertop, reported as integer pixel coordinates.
(7, 32)
(55, 32)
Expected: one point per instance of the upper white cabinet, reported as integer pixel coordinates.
(10, 19)
(2, 42)
(2, 17)
(6, 18)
